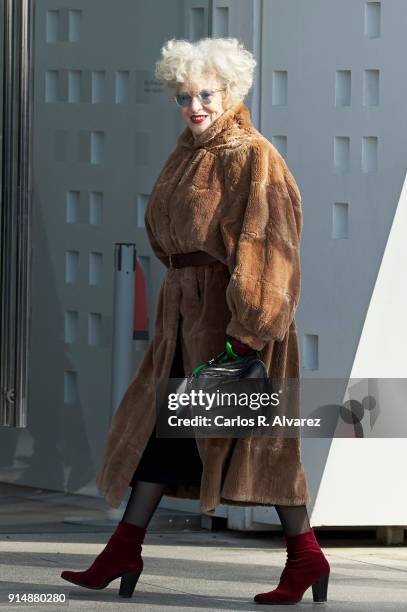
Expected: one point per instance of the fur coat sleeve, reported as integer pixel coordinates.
(262, 247)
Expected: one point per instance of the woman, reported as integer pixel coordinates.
(227, 210)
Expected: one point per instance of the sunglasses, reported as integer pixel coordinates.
(205, 97)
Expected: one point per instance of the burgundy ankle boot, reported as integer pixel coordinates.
(120, 557)
(306, 565)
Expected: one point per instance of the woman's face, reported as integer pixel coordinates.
(199, 116)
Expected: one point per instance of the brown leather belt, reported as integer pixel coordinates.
(195, 258)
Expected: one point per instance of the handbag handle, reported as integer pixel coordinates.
(221, 358)
(226, 355)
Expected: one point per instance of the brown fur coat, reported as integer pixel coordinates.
(228, 192)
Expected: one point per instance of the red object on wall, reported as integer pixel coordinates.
(140, 320)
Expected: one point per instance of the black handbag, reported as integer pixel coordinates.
(222, 374)
(247, 366)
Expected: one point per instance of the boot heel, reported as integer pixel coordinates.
(320, 589)
(128, 584)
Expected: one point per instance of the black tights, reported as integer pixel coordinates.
(145, 497)
(294, 519)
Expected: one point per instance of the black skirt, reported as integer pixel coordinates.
(170, 460)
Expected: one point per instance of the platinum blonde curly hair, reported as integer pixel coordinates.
(183, 60)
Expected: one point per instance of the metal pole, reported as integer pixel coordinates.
(15, 213)
(122, 353)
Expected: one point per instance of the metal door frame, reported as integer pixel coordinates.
(15, 210)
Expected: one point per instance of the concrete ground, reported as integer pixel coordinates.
(186, 567)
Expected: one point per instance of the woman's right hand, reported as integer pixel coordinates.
(235, 348)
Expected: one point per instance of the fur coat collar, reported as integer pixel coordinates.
(233, 123)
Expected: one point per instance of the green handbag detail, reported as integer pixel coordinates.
(228, 355)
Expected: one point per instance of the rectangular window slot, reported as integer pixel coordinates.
(86, 86)
(51, 86)
(84, 146)
(142, 201)
(97, 147)
(74, 21)
(95, 207)
(62, 94)
(98, 86)
(221, 21)
(372, 19)
(340, 215)
(71, 395)
(280, 142)
(341, 154)
(342, 87)
(122, 87)
(369, 154)
(52, 26)
(94, 329)
(74, 86)
(310, 352)
(71, 266)
(279, 88)
(198, 23)
(371, 87)
(72, 206)
(71, 326)
(95, 268)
